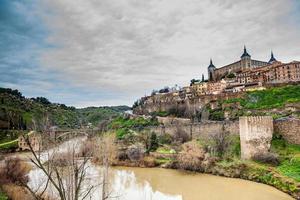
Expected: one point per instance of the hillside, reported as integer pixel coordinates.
(277, 101)
(20, 113)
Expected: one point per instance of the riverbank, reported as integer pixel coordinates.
(283, 175)
(217, 154)
(234, 169)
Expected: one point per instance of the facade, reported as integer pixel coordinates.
(35, 142)
(276, 72)
(200, 88)
(216, 74)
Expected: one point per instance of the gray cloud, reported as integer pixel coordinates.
(130, 47)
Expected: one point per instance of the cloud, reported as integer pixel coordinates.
(115, 51)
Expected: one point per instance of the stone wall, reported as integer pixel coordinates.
(173, 120)
(255, 134)
(196, 130)
(289, 128)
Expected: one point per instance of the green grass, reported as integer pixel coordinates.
(124, 126)
(291, 168)
(289, 155)
(270, 98)
(9, 145)
(164, 150)
(3, 196)
(160, 113)
(162, 161)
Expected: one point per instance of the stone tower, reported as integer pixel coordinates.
(255, 134)
(211, 71)
(245, 59)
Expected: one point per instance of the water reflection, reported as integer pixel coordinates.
(164, 184)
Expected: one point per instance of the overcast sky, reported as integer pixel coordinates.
(111, 52)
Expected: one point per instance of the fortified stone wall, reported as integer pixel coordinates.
(255, 135)
(289, 128)
(196, 130)
(173, 120)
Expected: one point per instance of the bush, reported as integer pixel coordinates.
(3, 196)
(153, 142)
(217, 115)
(135, 153)
(192, 157)
(220, 143)
(14, 171)
(164, 139)
(268, 158)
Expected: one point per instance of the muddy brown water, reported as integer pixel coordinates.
(164, 184)
(167, 184)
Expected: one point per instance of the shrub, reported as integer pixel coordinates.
(217, 115)
(106, 149)
(268, 158)
(3, 196)
(135, 153)
(153, 142)
(149, 161)
(220, 143)
(164, 139)
(87, 149)
(14, 171)
(191, 157)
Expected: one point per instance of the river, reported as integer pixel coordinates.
(167, 184)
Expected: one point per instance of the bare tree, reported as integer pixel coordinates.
(65, 173)
(106, 151)
(221, 142)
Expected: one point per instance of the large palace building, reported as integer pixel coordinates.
(245, 63)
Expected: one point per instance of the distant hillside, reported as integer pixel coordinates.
(95, 115)
(20, 113)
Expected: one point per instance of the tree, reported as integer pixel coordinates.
(42, 100)
(153, 142)
(202, 78)
(192, 82)
(221, 142)
(65, 172)
(149, 140)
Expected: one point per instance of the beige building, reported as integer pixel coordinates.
(200, 88)
(35, 140)
(216, 87)
(276, 72)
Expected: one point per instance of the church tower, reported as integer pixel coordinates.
(245, 59)
(211, 71)
(272, 59)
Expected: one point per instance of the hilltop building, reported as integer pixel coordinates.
(216, 74)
